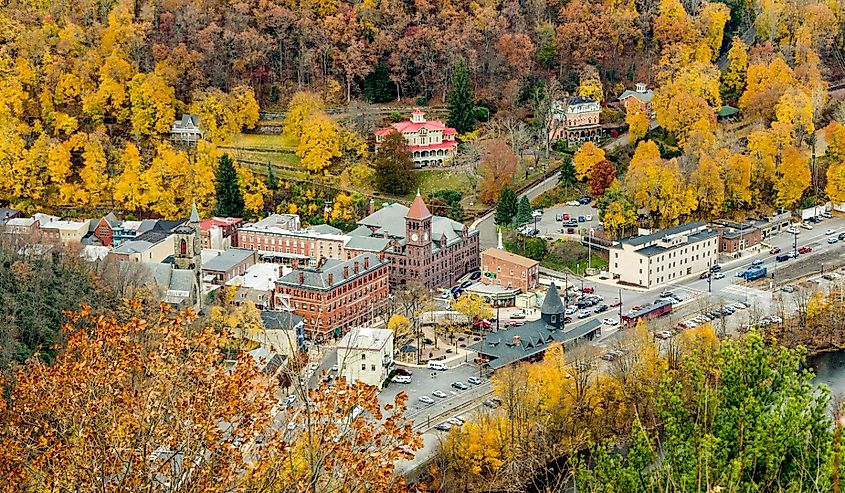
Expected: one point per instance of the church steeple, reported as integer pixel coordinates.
(195, 216)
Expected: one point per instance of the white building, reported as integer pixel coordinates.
(55, 229)
(258, 283)
(366, 355)
(430, 142)
(664, 256)
(186, 131)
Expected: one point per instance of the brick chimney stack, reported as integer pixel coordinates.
(301, 278)
(345, 271)
(366, 263)
(356, 267)
(281, 270)
(331, 279)
(372, 208)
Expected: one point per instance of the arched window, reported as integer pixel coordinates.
(183, 247)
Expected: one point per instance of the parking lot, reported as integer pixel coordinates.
(549, 226)
(425, 381)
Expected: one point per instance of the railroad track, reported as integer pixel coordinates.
(423, 422)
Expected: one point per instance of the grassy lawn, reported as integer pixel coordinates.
(576, 267)
(432, 180)
(276, 158)
(269, 142)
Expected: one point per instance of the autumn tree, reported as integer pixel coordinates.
(590, 85)
(601, 176)
(472, 306)
(230, 200)
(461, 101)
(301, 106)
(394, 169)
(616, 211)
(733, 78)
(637, 119)
(224, 115)
(506, 206)
(523, 212)
(319, 143)
(498, 166)
(791, 178)
(707, 182)
(587, 156)
(834, 134)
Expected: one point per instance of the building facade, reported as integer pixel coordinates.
(56, 230)
(186, 131)
(335, 296)
(664, 256)
(273, 237)
(258, 285)
(366, 355)
(575, 120)
(433, 251)
(228, 264)
(735, 238)
(431, 143)
(220, 233)
(509, 270)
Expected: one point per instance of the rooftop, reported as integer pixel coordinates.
(365, 339)
(418, 209)
(261, 276)
(21, 221)
(228, 259)
(515, 344)
(319, 278)
(509, 257)
(222, 222)
(652, 250)
(389, 221)
(280, 320)
(188, 122)
(643, 239)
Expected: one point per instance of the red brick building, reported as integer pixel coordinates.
(220, 233)
(509, 270)
(104, 231)
(737, 237)
(335, 296)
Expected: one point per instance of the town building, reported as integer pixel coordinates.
(24, 227)
(431, 143)
(181, 280)
(335, 295)
(575, 119)
(220, 233)
(152, 247)
(735, 238)
(186, 131)
(105, 230)
(56, 230)
(665, 256)
(366, 355)
(509, 270)
(433, 251)
(225, 265)
(258, 284)
(281, 239)
(528, 342)
(284, 332)
(641, 94)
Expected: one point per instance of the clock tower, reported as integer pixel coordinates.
(418, 241)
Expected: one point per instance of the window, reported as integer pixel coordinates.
(373, 367)
(363, 367)
(363, 357)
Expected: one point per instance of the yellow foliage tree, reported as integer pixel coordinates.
(165, 182)
(707, 182)
(203, 177)
(301, 106)
(253, 189)
(712, 18)
(795, 109)
(683, 113)
(344, 209)
(223, 115)
(153, 105)
(400, 325)
(127, 188)
(835, 188)
(765, 84)
(834, 134)
(659, 185)
(737, 178)
(319, 143)
(733, 79)
(637, 120)
(590, 84)
(587, 156)
(96, 182)
(472, 306)
(673, 24)
(792, 177)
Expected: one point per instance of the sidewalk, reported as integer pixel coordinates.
(461, 355)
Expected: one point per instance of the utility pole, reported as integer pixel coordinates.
(710, 283)
(620, 305)
(795, 243)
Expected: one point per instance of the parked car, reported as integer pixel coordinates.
(581, 219)
(757, 263)
(826, 214)
(718, 275)
(588, 289)
(792, 229)
(401, 379)
(615, 303)
(667, 294)
(610, 322)
(774, 250)
(566, 320)
(830, 232)
(805, 249)
(443, 426)
(841, 236)
(601, 308)
(565, 217)
(704, 275)
(518, 315)
(570, 231)
(663, 334)
(589, 217)
(832, 240)
(584, 314)
(404, 372)
(584, 200)
(783, 257)
(335, 368)
(571, 309)
(573, 203)
(475, 380)
(537, 213)
(558, 217)
(807, 226)
(439, 394)
(715, 268)
(492, 403)
(455, 421)
(426, 399)
(459, 386)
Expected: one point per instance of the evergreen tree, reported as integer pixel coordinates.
(230, 200)
(394, 169)
(272, 183)
(461, 106)
(506, 207)
(523, 212)
(567, 171)
(377, 86)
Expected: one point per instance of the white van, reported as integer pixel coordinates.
(436, 365)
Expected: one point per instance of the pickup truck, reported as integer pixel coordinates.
(805, 249)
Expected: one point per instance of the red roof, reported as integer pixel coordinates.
(207, 224)
(411, 127)
(418, 209)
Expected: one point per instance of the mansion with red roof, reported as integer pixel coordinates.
(429, 142)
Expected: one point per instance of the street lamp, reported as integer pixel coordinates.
(590, 250)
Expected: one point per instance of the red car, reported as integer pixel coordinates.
(805, 249)
(704, 275)
(566, 217)
(615, 303)
(587, 289)
(404, 372)
(774, 250)
(567, 319)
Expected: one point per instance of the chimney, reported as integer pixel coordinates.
(366, 263)
(301, 278)
(345, 271)
(372, 208)
(281, 270)
(516, 340)
(331, 279)
(356, 267)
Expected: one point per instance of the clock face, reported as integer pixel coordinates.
(414, 237)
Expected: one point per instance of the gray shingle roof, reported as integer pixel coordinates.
(644, 97)
(643, 239)
(228, 259)
(319, 278)
(367, 243)
(534, 338)
(279, 320)
(390, 222)
(552, 305)
(325, 229)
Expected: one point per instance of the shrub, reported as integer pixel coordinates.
(395, 116)
(422, 101)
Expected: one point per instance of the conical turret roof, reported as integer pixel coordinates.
(418, 209)
(552, 305)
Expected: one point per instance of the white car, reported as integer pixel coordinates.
(792, 230)
(718, 275)
(537, 214)
(827, 214)
(571, 309)
(335, 368)
(401, 379)
(573, 203)
(830, 232)
(610, 321)
(806, 226)
(426, 399)
(588, 217)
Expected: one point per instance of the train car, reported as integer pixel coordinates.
(648, 312)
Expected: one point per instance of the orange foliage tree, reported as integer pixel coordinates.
(497, 167)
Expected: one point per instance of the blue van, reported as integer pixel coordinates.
(581, 219)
